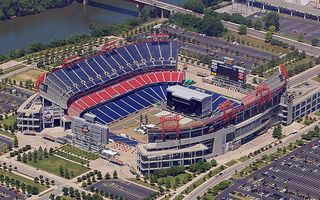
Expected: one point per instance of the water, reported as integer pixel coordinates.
(61, 22)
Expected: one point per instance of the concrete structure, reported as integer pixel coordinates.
(300, 101)
(89, 135)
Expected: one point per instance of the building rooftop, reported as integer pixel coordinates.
(187, 94)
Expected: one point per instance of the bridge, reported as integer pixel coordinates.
(164, 7)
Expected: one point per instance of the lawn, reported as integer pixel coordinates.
(28, 75)
(71, 157)
(6, 133)
(10, 121)
(23, 180)
(183, 179)
(52, 165)
(78, 152)
(317, 78)
(231, 163)
(243, 158)
(255, 43)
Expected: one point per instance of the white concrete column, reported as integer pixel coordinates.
(278, 9)
(162, 14)
(291, 13)
(304, 16)
(263, 7)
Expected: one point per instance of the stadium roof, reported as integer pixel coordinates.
(186, 93)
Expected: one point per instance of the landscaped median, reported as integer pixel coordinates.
(78, 152)
(21, 183)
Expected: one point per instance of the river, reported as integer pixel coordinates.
(59, 23)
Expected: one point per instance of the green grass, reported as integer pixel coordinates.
(182, 177)
(78, 152)
(317, 78)
(52, 165)
(23, 180)
(255, 43)
(141, 182)
(12, 69)
(6, 133)
(202, 180)
(243, 158)
(63, 197)
(71, 157)
(231, 163)
(10, 121)
(179, 197)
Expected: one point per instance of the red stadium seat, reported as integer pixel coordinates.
(135, 83)
(146, 78)
(96, 97)
(119, 89)
(175, 76)
(111, 91)
(82, 104)
(159, 76)
(88, 101)
(140, 80)
(167, 76)
(126, 85)
(152, 77)
(104, 95)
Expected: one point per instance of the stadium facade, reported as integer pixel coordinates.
(121, 81)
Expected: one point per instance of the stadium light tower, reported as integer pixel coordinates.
(168, 118)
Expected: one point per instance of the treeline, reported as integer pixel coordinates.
(210, 25)
(200, 5)
(97, 30)
(12, 8)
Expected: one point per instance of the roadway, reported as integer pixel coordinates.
(261, 35)
(303, 76)
(199, 191)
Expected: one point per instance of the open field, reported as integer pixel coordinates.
(27, 75)
(23, 180)
(53, 163)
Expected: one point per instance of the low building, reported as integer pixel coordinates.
(300, 101)
(89, 135)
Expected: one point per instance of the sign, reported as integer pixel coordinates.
(228, 71)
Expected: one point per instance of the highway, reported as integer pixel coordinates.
(199, 191)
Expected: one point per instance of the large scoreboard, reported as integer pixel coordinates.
(228, 70)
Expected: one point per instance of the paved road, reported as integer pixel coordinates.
(299, 78)
(261, 35)
(229, 171)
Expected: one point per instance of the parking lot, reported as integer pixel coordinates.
(241, 53)
(11, 101)
(122, 188)
(295, 176)
(295, 26)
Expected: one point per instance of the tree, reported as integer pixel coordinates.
(65, 191)
(107, 176)
(24, 158)
(15, 141)
(61, 171)
(213, 162)
(115, 174)
(314, 41)
(272, 29)
(19, 158)
(242, 30)
(268, 36)
(272, 18)
(194, 5)
(257, 25)
(277, 132)
(300, 37)
(66, 174)
(212, 26)
(71, 192)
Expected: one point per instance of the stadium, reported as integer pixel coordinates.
(189, 123)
